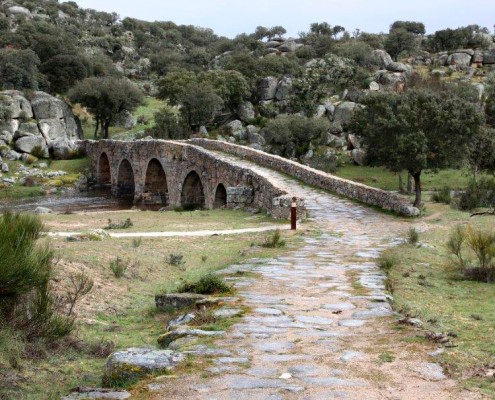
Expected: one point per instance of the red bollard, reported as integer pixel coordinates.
(293, 214)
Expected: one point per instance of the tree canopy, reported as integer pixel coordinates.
(106, 98)
(417, 130)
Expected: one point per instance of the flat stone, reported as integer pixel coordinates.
(328, 395)
(351, 356)
(94, 393)
(374, 313)
(281, 358)
(135, 363)
(177, 300)
(268, 311)
(180, 320)
(339, 306)
(262, 372)
(303, 370)
(227, 312)
(432, 372)
(331, 381)
(232, 360)
(351, 323)
(274, 347)
(314, 320)
(240, 382)
(167, 338)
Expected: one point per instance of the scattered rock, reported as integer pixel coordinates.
(167, 338)
(135, 363)
(43, 210)
(180, 320)
(83, 393)
(177, 300)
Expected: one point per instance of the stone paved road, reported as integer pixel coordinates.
(310, 336)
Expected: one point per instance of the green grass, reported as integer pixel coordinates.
(425, 284)
(386, 180)
(122, 310)
(148, 109)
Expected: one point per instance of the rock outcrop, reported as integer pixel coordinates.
(41, 126)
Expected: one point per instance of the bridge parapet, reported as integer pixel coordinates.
(353, 190)
(180, 174)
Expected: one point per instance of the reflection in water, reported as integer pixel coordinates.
(94, 200)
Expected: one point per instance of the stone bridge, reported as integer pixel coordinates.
(194, 174)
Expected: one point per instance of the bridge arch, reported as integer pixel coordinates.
(155, 184)
(220, 196)
(104, 174)
(125, 179)
(192, 194)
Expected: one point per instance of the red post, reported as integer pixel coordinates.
(293, 214)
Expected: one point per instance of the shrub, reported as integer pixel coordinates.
(175, 259)
(27, 301)
(477, 194)
(481, 244)
(274, 241)
(119, 225)
(455, 243)
(412, 236)
(118, 266)
(136, 242)
(386, 262)
(80, 285)
(207, 284)
(442, 196)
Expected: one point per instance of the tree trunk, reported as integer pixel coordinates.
(106, 125)
(417, 188)
(409, 183)
(401, 184)
(96, 128)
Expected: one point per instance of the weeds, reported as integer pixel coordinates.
(442, 196)
(412, 236)
(207, 284)
(386, 262)
(481, 244)
(175, 259)
(274, 241)
(119, 225)
(136, 242)
(119, 267)
(81, 285)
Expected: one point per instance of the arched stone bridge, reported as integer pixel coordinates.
(198, 174)
(178, 174)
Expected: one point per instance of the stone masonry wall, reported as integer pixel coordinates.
(178, 159)
(323, 180)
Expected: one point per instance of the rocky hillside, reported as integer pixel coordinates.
(250, 89)
(41, 126)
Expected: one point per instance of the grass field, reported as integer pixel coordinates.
(427, 285)
(386, 180)
(150, 221)
(147, 110)
(122, 310)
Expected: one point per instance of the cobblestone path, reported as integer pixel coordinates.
(321, 326)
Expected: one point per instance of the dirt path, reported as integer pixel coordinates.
(179, 234)
(320, 326)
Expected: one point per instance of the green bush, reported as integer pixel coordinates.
(175, 259)
(274, 241)
(386, 262)
(475, 252)
(442, 196)
(27, 301)
(207, 284)
(118, 266)
(478, 194)
(412, 236)
(119, 225)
